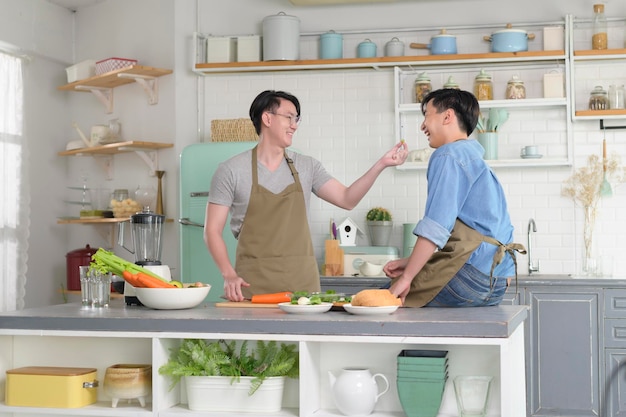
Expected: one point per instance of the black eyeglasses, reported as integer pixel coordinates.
(292, 119)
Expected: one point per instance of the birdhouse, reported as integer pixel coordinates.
(348, 232)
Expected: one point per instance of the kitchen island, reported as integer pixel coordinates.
(480, 341)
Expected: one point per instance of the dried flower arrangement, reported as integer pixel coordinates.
(584, 188)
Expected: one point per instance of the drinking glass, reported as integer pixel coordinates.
(472, 395)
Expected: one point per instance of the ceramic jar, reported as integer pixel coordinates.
(422, 87)
(515, 88)
(366, 49)
(483, 86)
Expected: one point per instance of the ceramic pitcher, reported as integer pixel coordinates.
(355, 390)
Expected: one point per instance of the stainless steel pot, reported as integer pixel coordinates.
(509, 40)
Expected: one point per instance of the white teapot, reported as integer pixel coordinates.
(355, 391)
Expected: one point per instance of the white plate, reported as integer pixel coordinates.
(305, 308)
(369, 311)
(531, 156)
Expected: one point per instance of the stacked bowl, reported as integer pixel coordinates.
(422, 376)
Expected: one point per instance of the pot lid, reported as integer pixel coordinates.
(395, 41)
(86, 251)
(366, 42)
(444, 34)
(509, 29)
(483, 76)
(422, 77)
(451, 83)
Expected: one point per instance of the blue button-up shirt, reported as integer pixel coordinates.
(461, 185)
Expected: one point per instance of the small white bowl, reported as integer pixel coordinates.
(370, 270)
(172, 298)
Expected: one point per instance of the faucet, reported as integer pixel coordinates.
(532, 228)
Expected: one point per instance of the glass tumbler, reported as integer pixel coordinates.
(85, 285)
(472, 395)
(101, 289)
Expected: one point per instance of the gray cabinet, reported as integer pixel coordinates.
(614, 381)
(563, 361)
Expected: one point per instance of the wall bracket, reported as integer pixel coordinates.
(148, 83)
(105, 95)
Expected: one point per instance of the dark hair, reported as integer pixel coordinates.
(269, 100)
(462, 102)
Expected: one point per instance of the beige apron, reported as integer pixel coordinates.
(444, 264)
(275, 251)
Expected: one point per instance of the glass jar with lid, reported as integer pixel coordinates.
(451, 83)
(422, 86)
(515, 88)
(599, 99)
(483, 86)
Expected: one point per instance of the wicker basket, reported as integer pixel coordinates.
(233, 130)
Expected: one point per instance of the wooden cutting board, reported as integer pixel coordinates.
(244, 304)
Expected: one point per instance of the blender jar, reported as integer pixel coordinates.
(146, 230)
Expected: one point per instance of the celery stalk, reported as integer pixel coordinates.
(106, 261)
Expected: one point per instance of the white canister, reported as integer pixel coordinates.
(395, 47)
(281, 37)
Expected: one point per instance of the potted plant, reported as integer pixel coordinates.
(380, 225)
(219, 376)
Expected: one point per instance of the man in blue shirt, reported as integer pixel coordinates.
(463, 255)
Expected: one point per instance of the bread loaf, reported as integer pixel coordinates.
(375, 298)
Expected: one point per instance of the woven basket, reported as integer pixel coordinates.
(233, 130)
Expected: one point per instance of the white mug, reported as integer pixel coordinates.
(529, 150)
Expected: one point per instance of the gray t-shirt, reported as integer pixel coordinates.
(232, 182)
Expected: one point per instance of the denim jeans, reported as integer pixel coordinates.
(470, 288)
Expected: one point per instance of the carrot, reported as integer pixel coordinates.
(131, 278)
(274, 298)
(151, 282)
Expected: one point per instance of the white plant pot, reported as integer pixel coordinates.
(217, 393)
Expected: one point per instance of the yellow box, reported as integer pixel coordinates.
(50, 386)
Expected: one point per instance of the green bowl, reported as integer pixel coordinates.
(416, 367)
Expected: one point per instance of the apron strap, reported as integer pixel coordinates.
(509, 248)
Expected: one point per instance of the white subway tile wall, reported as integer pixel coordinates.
(348, 122)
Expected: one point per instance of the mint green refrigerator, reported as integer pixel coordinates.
(198, 162)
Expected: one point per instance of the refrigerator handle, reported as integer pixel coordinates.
(186, 222)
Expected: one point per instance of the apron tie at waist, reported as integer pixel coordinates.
(509, 248)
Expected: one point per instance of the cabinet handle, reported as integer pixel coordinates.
(93, 384)
(186, 222)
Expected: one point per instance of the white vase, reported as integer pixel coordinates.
(220, 393)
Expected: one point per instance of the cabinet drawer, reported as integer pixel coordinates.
(615, 333)
(615, 303)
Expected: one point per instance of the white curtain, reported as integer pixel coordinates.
(14, 196)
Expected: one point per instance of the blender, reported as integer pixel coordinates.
(146, 229)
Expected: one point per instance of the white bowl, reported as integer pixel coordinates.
(369, 269)
(172, 298)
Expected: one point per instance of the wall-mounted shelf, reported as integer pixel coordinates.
(105, 226)
(380, 62)
(102, 85)
(147, 151)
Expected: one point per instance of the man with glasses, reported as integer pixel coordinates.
(267, 191)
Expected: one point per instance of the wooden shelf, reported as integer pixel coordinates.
(113, 79)
(78, 220)
(377, 62)
(119, 147)
(601, 113)
(601, 53)
(102, 85)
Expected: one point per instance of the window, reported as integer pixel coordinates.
(14, 210)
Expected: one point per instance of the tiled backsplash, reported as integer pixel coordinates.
(348, 122)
